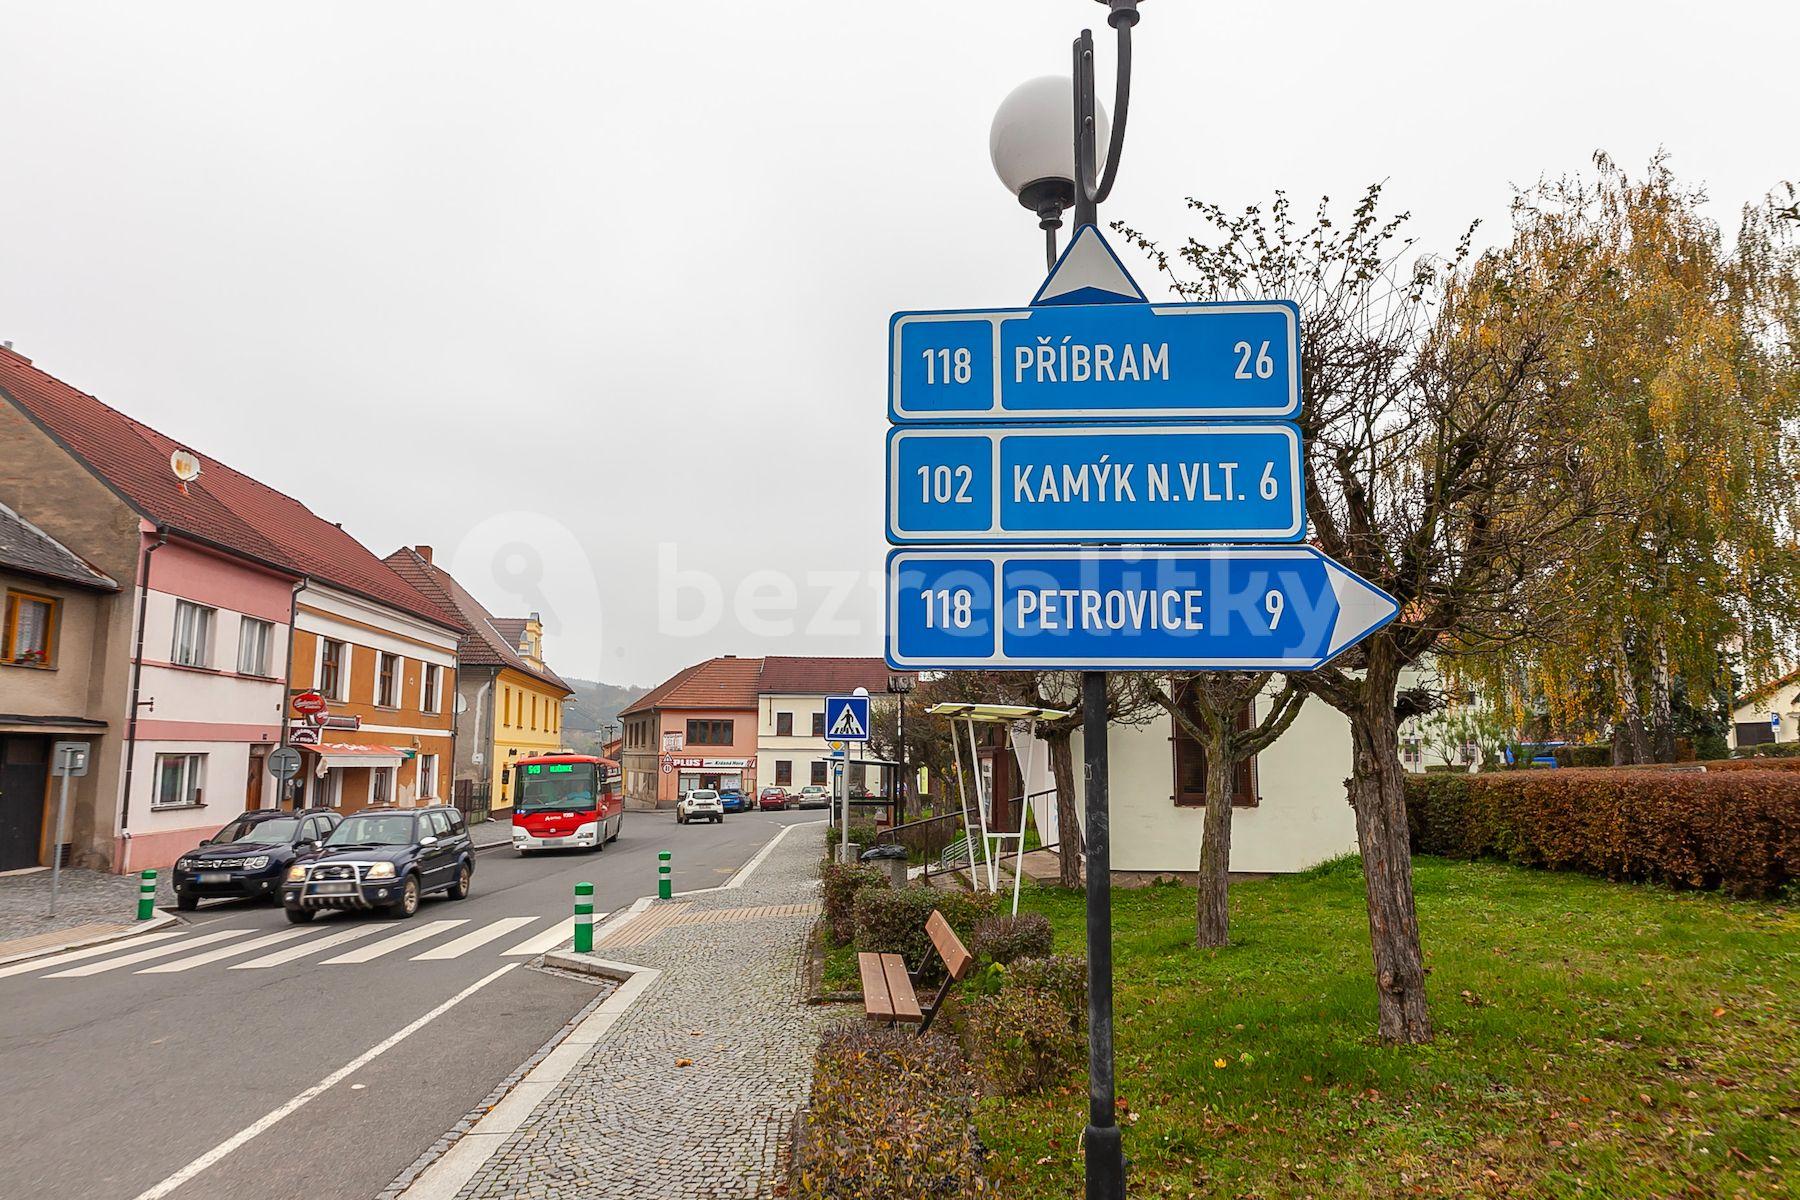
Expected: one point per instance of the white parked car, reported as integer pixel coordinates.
(701, 804)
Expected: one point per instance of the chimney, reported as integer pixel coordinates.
(423, 552)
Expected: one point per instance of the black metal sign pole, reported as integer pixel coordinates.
(1102, 1145)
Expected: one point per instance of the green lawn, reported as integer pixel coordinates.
(1593, 1039)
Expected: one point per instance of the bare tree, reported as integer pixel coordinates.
(1215, 701)
(1437, 469)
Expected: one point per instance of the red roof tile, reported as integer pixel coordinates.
(794, 676)
(483, 642)
(223, 507)
(728, 682)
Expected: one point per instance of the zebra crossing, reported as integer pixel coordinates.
(175, 952)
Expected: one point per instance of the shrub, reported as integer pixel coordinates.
(888, 1119)
(1768, 750)
(1063, 976)
(892, 921)
(1021, 1040)
(1006, 939)
(1030, 1033)
(862, 835)
(1736, 828)
(841, 882)
(1584, 756)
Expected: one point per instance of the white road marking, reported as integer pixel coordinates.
(38, 964)
(306, 948)
(126, 960)
(542, 943)
(389, 945)
(350, 1068)
(474, 938)
(210, 956)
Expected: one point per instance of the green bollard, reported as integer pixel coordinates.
(584, 918)
(665, 886)
(146, 895)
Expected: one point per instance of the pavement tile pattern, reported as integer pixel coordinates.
(83, 898)
(631, 1121)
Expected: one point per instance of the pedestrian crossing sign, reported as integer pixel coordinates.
(847, 718)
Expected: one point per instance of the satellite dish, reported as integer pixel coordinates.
(186, 466)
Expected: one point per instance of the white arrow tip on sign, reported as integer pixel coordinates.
(1361, 607)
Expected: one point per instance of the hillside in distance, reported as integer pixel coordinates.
(593, 703)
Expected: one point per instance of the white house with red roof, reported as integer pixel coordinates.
(191, 688)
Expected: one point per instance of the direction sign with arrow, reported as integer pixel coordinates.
(1110, 355)
(1093, 483)
(1220, 608)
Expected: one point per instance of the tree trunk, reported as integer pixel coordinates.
(1631, 745)
(1212, 921)
(1662, 714)
(1379, 798)
(1068, 812)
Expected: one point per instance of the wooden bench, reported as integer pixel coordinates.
(888, 993)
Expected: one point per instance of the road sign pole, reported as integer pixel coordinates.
(62, 808)
(1101, 1139)
(1104, 1150)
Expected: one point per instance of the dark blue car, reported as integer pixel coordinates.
(249, 857)
(383, 858)
(733, 801)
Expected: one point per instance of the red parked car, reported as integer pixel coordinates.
(772, 799)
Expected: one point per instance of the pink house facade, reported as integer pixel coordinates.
(698, 729)
(210, 687)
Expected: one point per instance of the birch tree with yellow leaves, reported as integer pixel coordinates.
(1680, 366)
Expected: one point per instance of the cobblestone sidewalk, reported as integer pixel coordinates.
(633, 1122)
(84, 898)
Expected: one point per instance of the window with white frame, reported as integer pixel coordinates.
(381, 785)
(180, 780)
(193, 634)
(328, 789)
(428, 688)
(334, 669)
(254, 639)
(428, 764)
(387, 679)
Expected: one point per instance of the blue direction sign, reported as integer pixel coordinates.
(847, 718)
(1095, 483)
(1217, 608)
(1096, 362)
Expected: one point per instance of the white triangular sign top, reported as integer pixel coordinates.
(847, 725)
(1089, 273)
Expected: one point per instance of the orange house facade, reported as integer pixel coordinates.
(388, 680)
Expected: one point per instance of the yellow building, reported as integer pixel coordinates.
(509, 702)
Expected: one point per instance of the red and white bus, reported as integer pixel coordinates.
(562, 800)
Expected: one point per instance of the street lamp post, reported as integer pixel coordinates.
(1051, 167)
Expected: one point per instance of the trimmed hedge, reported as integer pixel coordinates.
(892, 921)
(1736, 829)
(840, 883)
(889, 1118)
(1005, 939)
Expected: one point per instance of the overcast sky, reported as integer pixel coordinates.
(567, 290)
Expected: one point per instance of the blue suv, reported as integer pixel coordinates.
(383, 858)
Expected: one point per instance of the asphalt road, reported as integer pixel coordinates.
(120, 1080)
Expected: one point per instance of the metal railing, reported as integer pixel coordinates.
(944, 847)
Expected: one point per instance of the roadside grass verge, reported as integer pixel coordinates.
(1593, 1039)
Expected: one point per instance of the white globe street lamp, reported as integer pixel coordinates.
(1032, 145)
